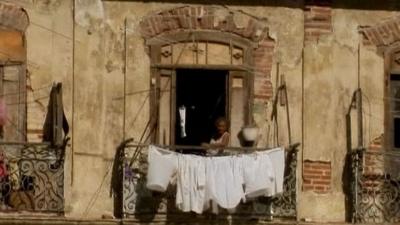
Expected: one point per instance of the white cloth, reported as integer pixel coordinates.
(258, 175)
(163, 164)
(182, 121)
(191, 182)
(214, 152)
(277, 157)
(224, 181)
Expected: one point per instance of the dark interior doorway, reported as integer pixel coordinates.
(396, 132)
(203, 93)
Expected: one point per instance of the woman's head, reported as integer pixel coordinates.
(222, 125)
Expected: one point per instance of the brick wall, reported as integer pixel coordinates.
(317, 19)
(317, 176)
(263, 59)
(374, 163)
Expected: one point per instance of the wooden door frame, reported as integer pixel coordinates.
(156, 43)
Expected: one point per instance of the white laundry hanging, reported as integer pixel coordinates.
(258, 175)
(222, 181)
(277, 157)
(163, 164)
(191, 183)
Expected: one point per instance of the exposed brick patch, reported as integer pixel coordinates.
(379, 167)
(382, 34)
(317, 19)
(376, 144)
(263, 59)
(317, 176)
(203, 18)
(374, 163)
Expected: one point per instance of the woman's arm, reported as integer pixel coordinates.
(224, 141)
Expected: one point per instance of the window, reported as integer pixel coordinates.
(202, 93)
(205, 95)
(210, 74)
(13, 82)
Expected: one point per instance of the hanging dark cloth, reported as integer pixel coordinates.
(55, 128)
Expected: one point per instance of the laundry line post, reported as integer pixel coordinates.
(125, 71)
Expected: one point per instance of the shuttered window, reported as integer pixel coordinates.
(13, 94)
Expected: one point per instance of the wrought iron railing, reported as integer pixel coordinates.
(375, 186)
(31, 178)
(137, 201)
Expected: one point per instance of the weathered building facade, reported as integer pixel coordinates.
(296, 69)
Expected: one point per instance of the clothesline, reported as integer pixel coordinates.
(213, 183)
(195, 147)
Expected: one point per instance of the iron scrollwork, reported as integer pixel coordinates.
(284, 204)
(32, 180)
(376, 187)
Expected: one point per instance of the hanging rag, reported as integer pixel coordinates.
(182, 121)
(55, 121)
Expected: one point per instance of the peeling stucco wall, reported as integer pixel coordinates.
(92, 67)
(330, 78)
(49, 43)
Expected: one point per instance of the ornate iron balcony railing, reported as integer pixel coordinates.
(375, 186)
(137, 201)
(31, 178)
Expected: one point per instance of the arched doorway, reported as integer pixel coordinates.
(210, 66)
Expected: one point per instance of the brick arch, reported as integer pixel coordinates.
(204, 18)
(219, 19)
(13, 17)
(383, 34)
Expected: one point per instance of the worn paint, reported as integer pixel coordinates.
(329, 79)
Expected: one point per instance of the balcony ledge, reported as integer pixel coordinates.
(71, 221)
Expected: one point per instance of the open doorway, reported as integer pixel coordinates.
(203, 96)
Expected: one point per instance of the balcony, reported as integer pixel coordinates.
(142, 204)
(32, 178)
(375, 186)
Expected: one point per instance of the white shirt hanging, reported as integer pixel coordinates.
(191, 183)
(163, 164)
(258, 175)
(277, 157)
(224, 181)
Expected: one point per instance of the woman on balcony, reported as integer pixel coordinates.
(220, 139)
